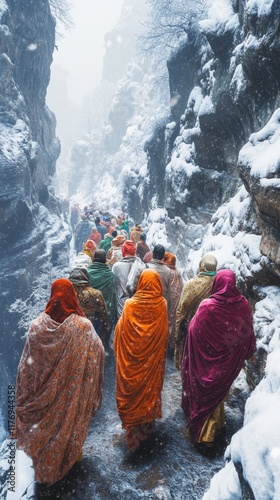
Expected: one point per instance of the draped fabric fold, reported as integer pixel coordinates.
(220, 338)
(194, 291)
(140, 344)
(91, 301)
(102, 278)
(59, 386)
(176, 285)
(62, 302)
(59, 389)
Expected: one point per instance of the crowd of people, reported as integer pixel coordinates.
(122, 293)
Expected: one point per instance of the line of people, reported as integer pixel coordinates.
(126, 258)
(206, 322)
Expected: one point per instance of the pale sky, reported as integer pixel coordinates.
(81, 50)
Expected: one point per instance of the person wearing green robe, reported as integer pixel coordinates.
(102, 278)
(107, 241)
(124, 226)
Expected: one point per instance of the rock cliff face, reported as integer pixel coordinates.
(224, 86)
(120, 51)
(31, 231)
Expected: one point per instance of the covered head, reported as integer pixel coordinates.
(63, 301)
(119, 240)
(150, 283)
(90, 245)
(169, 259)
(140, 343)
(99, 256)
(128, 248)
(124, 233)
(148, 257)
(143, 236)
(220, 338)
(224, 284)
(79, 276)
(158, 252)
(208, 263)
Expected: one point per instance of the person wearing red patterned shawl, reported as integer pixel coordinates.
(59, 385)
(220, 338)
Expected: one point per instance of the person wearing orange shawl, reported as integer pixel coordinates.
(59, 385)
(220, 338)
(176, 285)
(140, 345)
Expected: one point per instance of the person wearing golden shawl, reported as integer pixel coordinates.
(140, 344)
(135, 233)
(194, 291)
(59, 385)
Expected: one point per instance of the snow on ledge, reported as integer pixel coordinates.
(221, 18)
(224, 485)
(262, 153)
(259, 7)
(3, 7)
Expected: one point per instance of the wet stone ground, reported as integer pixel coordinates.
(167, 467)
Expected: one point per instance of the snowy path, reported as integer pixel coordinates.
(169, 468)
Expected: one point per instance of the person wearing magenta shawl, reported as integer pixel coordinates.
(220, 338)
(59, 385)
